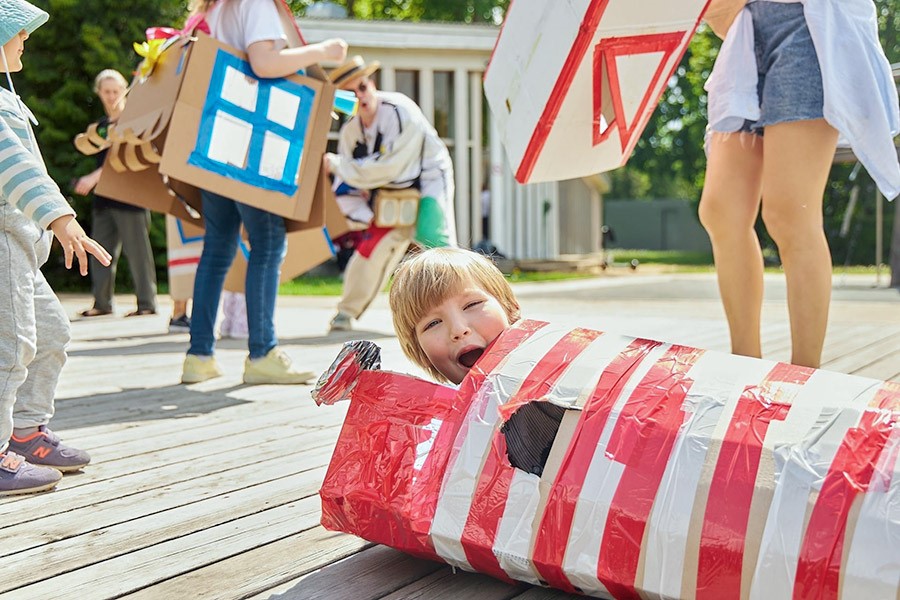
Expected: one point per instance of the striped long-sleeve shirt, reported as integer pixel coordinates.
(24, 181)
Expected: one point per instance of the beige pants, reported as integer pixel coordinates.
(365, 277)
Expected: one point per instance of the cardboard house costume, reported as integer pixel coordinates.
(255, 140)
(624, 468)
(572, 83)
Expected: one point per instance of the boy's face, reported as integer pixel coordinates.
(454, 334)
(13, 50)
(364, 89)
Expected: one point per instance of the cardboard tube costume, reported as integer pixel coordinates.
(624, 468)
(572, 83)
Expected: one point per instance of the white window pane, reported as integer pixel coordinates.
(230, 140)
(239, 89)
(274, 155)
(283, 107)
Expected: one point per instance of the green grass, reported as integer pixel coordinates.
(662, 257)
(312, 286)
(331, 286)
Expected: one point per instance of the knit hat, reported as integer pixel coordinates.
(16, 15)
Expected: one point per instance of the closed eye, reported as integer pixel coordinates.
(473, 304)
(430, 324)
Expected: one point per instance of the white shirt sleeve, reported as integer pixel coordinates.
(260, 22)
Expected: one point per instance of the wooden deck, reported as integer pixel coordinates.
(210, 490)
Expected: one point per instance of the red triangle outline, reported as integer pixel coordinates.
(605, 53)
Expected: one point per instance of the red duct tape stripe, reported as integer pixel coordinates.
(556, 522)
(851, 471)
(376, 499)
(642, 441)
(492, 489)
(724, 531)
(436, 464)
(561, 88)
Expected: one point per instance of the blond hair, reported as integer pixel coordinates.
(427, 279)
(200, 6)
(109, 74)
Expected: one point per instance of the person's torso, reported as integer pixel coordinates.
(240, 23)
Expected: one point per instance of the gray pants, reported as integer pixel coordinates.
(118, 229)
(32, 350)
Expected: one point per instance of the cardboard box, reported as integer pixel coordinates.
(164, 133)
(184, 245)
(257, 141)
(572, 83)
(626, 468)
(130, 172)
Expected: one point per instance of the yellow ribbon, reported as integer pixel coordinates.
(151, 50)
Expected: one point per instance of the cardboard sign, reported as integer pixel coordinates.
(257, 141)
(573, 83)
(625, 468)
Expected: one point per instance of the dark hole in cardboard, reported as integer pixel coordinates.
(530, 433)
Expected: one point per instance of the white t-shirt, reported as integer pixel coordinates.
(241, 23)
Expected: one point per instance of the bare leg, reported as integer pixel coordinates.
(179, 308)
(728, 210)
(797, 159)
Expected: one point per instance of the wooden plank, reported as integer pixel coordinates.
(445, 584)
(145, 567)
(868, 352)
(170, 487)
(141, 532)
(367, 575)
(124, 477)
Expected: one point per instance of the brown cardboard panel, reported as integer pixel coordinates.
(185, 125)
(150, 102)
(146, 189)
(181, 278)
(306, 249)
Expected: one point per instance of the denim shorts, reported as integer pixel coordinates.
(790, 81)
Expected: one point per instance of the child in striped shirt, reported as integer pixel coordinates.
(32, 350)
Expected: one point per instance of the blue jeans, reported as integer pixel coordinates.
(222, 218)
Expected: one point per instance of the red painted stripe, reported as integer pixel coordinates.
(724, 531)
(556, 522)
(851, 471)
(561, 88)
(177, 262)
(606, 52)
(489, 500)
(436, 464)
(643, 439)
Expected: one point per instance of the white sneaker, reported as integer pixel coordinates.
(274, 367)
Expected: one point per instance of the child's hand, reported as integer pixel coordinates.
(334, 49)
(75, 241)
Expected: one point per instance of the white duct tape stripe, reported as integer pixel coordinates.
(601, 481)
(474, 440)
(873, 561)
(710, 404)
(802, 459)
(512, 546)
(513, 543)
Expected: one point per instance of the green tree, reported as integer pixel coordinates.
(461, 11)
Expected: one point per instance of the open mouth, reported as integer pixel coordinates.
(469, 358)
